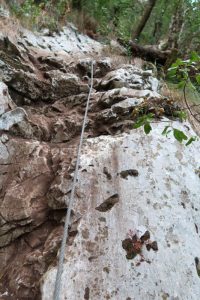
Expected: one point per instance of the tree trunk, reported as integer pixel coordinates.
(175, 26)
(150, 53)
(144, 19)
(157, 31)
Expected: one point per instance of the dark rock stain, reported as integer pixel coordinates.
(196, 227)
(108, 175)
(131, 172)
(87, 293)
(197, 263)
(108, 203)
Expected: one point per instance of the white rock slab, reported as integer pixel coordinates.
(68, 40)
(154, 83)
(11, 118)
(6, 102)
(164, 198)
(126, 105)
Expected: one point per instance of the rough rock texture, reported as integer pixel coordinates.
(163, 198)
(127, 181)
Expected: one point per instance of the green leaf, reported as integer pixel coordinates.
(181, 84)
(179, 135)
(181, 115)
(191, 85)
(147, 128)
(198, 78)
(143, 120)
(192, 139)
(194, 57)
(172, 70)
(171, 73)
(178, 62)
(140, 122)
(150, 117)
(165, 130)
(137, 125)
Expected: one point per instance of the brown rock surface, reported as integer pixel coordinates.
(39, 134)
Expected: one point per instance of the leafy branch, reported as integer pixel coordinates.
(144, 121)
(186, 73)
(179, 135)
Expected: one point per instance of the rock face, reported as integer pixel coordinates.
(134, 230)
(163, 199)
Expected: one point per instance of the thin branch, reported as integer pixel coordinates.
(186, 102)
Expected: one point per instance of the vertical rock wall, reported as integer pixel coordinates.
(162, 198)
(128, 183)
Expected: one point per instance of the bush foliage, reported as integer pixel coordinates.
(116, 17)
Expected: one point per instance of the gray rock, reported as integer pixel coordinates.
(52, 62)
(125, 106)
(11, 118)
(85, 64)
(4, 138)
(4, 13)
(149, 202)
(123, 77)
(106, 116)
(6, 102)
(4, 154)
(127, 180)
(66, 84)
(116, 95)
(29, 85)
(147, 73)
(106, 62)
(69, 40)
(100, 67)
(154, 82)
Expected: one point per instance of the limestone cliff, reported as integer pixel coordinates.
(129, 184)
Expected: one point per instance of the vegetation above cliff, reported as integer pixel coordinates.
(163, 22)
